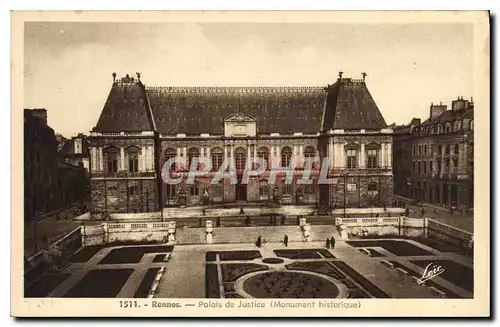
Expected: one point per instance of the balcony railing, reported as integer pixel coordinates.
(123, 174)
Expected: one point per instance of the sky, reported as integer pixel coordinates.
(68, 66)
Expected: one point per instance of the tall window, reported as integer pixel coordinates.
(414, 167)
(193, 154)
(351, 158)
(112, 160)
(419, 149)
(194, 190)
(217, 191)
(372, 188)
(170, 154)
(455, 150)
(286, 156)
(132, 190)
(170, 190)
(448, 148)
(372, 155)
(425, 167)
(309, 155)
(263, 189)
(439, 167)
(217, 158)
(240, 157)
(112, 191)
(430, 167)
(133, 161)
(440, 150)
(425, 150)
(287, 189)
(263, 154)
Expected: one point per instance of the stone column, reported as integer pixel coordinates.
(202, 152)
(122, 158)
(382, 155)
(362, 156)
(100, 159)
(93, 154)
(330, 153)
(341, 156)
(389, 155)
(143, 159)
(300, 162)
(151, 163)
(207, 152)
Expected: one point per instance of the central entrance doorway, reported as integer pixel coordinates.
(241, 190)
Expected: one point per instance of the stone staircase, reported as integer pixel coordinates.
(319, 233)
(250, 234)
(190, 236)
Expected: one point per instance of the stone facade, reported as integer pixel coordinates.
(439, 157)
(141, 128)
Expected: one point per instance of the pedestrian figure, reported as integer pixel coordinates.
(327, 243)
(218, 221)
(285, 240)
(203, 211)
(242, 212)
(332, 242)
(422, 211)
(247, 221)
(283, 218)
(259, 241)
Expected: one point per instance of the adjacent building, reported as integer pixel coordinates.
(49, 182)
(434, 159)
(141, 127)
(75, 151)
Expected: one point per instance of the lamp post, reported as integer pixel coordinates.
(345, 193)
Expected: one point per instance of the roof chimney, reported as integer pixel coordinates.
(436, 110)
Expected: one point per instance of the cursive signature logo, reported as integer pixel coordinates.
(432, 270)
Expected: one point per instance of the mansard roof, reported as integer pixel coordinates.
(350, 106)
(282, 110)
(126, 109)
(451, 115)
(132, 107)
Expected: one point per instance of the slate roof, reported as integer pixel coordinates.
(126, 109)
(351, 106)
(451, 115)
(132, 107)
(69, 148)
(203, 110)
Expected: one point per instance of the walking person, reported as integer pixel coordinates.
(332, 242)
(327, 243)
(259, 241)
(285, 240)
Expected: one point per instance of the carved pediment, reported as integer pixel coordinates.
(240, 117)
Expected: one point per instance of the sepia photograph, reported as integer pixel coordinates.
(262, 164)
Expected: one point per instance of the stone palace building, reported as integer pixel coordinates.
(141, 127)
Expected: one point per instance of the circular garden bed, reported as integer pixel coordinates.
(288, 284)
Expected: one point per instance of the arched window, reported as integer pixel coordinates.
(263, 154)
(286, 156)
(111, 158)
(448, 127)
(217, 158)
(133, 159)
(309, 155)
(240, 157)
(193, 154)
(170, 154)
(432, 129)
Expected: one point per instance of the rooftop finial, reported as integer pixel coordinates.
(364, 75)
(340, 75)
(114, 76)
(138, 76)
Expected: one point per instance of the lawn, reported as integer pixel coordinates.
(233, 255)
(147, 282)
(297, 254)
(397, 247)
(133, 254)
(100, 283)
(454, 272)
(86, 253)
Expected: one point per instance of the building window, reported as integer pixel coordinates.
(193, 190)
(170, 190)
(439, 168)
(217, 191)
(425, 167)
(263, 154)
(430, 167)
(455, 166)
(193, 154)
(414, 150)
(372, 188)
(287, 189)
(419, 150)
(309, 155)
(471, 125)
(112, 191)
(286, 155)
(170, 154)
(425, 150)
(455, 150)
(132, 190)
(414, 167)
(133, 161)
(419, 167)
(263, 189)
(112, 160)
(440, 150)
(372, 155)
(351, 158)
(240, 158)
(448, 127)
(217, 158)
(448, 149)
(432, 130)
